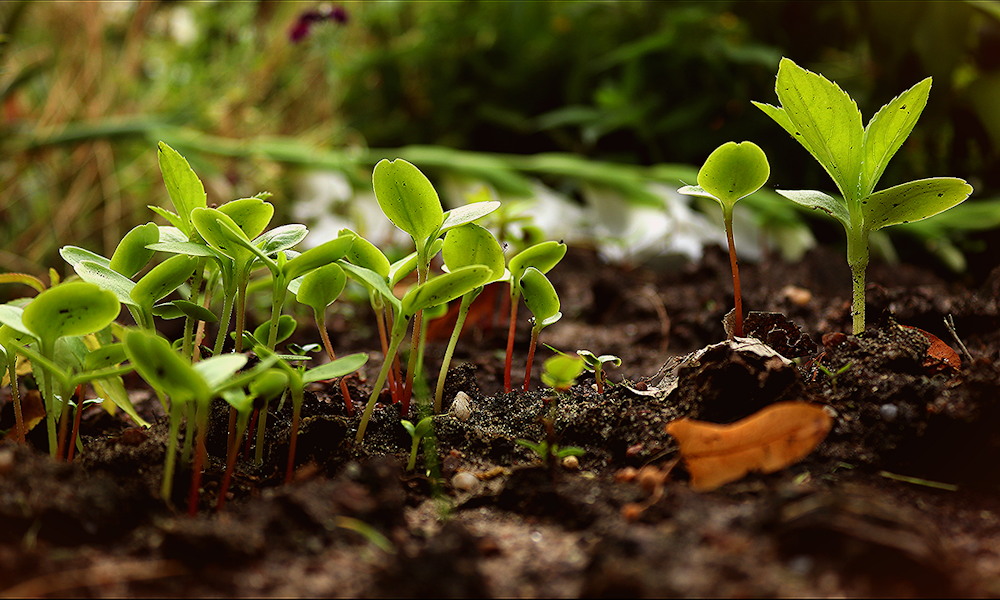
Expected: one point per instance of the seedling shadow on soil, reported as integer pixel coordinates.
(899, 499)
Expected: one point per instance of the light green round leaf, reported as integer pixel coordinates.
(408, 199)
(269, 384)
(209, 223)
(733, 171)
(319, 256)
(472, 244)
(217, 370)
(444, 288)
(467, 213)
(163, 368)
(105, 356)
(105, 278)
(366, 254)
(75, 308)
(163, 279)
(10, 316)
(251, 214)
(281, 238)
(540, 297)
(336, 368)
(542, 256)
(75, 255)
(286, 327)
(132, 252)
(321, 287)
(561, 371)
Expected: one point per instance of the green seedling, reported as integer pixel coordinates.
(318, 290)
(439, 290)
(827, 122)
(560, 373)
(543, 302)
(467, 245)
(268, 385)
(542, 256)
(731, 172)
(66, 310)
(596, 364)
(410, 202)
(417, 432)
(833, 375)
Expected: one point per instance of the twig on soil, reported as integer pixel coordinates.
(949, 322)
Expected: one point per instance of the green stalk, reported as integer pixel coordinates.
(857, 258)
(200, 456)
(166, 486)
(227, 312)
(187, 345)
(241, 312)
(258, 451)
(277, 301)
(190, 414)
(398, 332)
(298, 396)
(15, 394)
(463, 312)
(416, 340)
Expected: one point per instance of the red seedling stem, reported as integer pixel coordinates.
(199, 461)
(328, 346)
(531, 356)
(71, 451)
(290, 468)
(510, 345)
(734, 265)
(234, 450)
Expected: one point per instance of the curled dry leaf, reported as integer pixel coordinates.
(767, 441)
(940, 356)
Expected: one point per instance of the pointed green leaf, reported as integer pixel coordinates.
(313, 258)
(163, 279)
(209, 223)
(468, 213)
(835, 207)
(733, 171)
(539, 295)
(561, 371)
(321, 287)
(70, 309)
(336, 368)
(195, 311)
(107, 279)
(133, 252)
(75, 255)
(444, 288)
(188, 248)
(408, 199)
(251, 214)
(888, 129)
(372, 281)
(184, 187)
(471, 244)
(171, 218)
(281, 238)
(113, 389)
(827, 123)
(163, 368)
(401, 268)
(913, 201)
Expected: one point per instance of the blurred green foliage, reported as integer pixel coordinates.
(87, 88)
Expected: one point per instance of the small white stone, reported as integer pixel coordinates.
(465, 481)
(571, 463)
(461, 407)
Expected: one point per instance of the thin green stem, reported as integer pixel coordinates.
(167, 484)
(15, 394)
(398, 332)
(463, 312)
(200, 456)
(727, 216)
(277, 301)
(241, 313)
(258, 451)
(187, 343)
(227, 312)
(298, 396)
(857, 258)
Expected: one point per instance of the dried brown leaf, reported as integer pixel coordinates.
(767, 441)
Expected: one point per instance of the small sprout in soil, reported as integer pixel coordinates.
(543, 302)
(731, 172)
(542, 256)
(417, 432)
(827, 122)
(833, 375)
(559, 373)
(596, 365)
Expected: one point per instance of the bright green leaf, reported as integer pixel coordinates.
(733, 171)
(336, 368)
(542, 256)
(366, 254)
(408, 199)
(133, 251)
(444, 288)
(217, 370)
(70, 309)
(913, 201)
(467, 213)
(472, 244)
(185, 189)
(835, 207)
(321, 287)
(319, 256)
(251, 214)
(163, 279)
(888, 129)
(539, 295)
(163, 368)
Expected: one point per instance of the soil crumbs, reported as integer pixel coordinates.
(900, 499)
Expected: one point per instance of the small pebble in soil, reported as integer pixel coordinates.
(461, 407)
(796, 295)
(889, 412)
(6, 461)
(571, 463)
(465, 481)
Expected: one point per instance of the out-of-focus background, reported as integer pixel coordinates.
(583, 117)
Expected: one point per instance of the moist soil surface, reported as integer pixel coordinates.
(899, 499)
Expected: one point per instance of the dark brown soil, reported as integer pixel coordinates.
(901, 499)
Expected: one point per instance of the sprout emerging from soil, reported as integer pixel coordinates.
(543, 302)
(596, 364)
(827, 122)
(417, 432)
(731, 172)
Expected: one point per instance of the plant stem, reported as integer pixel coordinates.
(328, 346)
(510, 341)
(857, 258)
(463, 312)
(190, 413)
(166, 486)
(599, 378)
(295, 382)
(277, 301)
(71, 450)
(398, 332)
(15, 393)
(187, 342)
(258, 453)
(241, 314)
(233, 452)
(200, 455)
(727, 216)
(413, 454)
(227, 311)
(531, 356)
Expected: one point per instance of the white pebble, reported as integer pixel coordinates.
(465, 481)
(461, 407)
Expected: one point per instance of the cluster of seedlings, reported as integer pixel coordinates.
(70, 336)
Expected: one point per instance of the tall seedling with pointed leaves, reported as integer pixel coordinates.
(731, 172)
(827, 122)
(543, 302)
(409, 200)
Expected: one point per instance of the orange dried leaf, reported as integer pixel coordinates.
(767, 441)
(939, 354)
(32, 410)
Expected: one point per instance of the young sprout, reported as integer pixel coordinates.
(559, 373)
(467, 245)
(543, 302)
(319, 289)
(410, 202)
(69, 309)
(827, 122)
(542, 256)
(731, 172)
(417, 432)
(595, 364)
